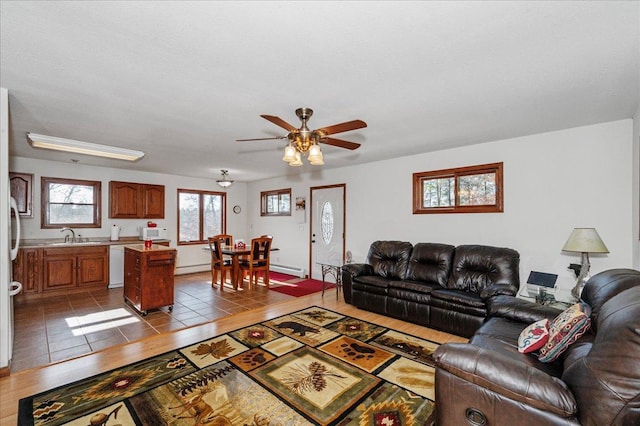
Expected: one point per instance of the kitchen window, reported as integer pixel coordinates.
(201, 214)
(70, 202)
(473, 189)
(275, 203)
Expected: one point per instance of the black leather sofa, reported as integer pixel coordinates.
(436, 285)
(595, 382)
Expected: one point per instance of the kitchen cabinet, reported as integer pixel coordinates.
(27, 269)
(73, 267)
(129, 200)
(21, 185)
(153, 201)
(148, 276)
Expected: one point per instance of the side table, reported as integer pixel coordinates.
(560, 299)
(334, 270)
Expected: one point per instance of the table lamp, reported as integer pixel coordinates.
(584, 241)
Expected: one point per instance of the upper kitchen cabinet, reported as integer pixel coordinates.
(153, 201)
(21, 191)
(128, 200)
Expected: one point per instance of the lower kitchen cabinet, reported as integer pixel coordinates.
(71, 267)
(27, 269)
(148, 276)
(54, 270)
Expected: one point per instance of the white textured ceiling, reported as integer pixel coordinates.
(182, 80)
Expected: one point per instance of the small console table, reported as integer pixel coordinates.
(333, 269)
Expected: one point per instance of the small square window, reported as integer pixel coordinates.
(275, 203)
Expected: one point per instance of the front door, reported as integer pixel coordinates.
(327, 227)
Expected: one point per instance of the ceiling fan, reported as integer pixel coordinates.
(303, 140)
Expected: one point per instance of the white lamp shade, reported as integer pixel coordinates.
(297, 160)
(314, 153)
(585, 240)
(289, 154)
(316, 160)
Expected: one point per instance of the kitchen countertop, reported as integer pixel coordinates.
(92, 241)
(154, 247)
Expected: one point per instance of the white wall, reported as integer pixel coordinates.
(636, 189)
(187, 255)
(582, 177)
(553, 182)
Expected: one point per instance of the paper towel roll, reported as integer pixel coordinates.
(115, 233)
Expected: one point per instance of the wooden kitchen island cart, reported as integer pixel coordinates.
(148, 276)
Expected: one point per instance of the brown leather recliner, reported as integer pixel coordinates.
(596, 382)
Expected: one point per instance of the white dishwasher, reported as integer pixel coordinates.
(116, 266)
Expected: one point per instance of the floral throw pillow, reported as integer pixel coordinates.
(564, 330)
(534, 336)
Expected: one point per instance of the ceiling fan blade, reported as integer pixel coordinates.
(343, 127)
(261, 139)
(340, 143)
(279, 122)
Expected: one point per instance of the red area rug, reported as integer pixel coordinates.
(277, 276)
(299, 287)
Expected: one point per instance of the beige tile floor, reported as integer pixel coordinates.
(63, 327)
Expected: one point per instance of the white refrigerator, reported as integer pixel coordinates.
(9, 232)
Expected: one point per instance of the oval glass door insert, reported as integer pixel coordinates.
(326, 224)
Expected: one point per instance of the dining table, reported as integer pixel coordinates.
(236, 252)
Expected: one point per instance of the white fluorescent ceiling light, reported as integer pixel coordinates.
(79, 147)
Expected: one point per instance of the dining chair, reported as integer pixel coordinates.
(218, 263)
(257, 262)
(227, 240)
(267, 236)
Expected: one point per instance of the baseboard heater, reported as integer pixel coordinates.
(291, 270)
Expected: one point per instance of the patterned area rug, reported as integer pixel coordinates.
(313, 366)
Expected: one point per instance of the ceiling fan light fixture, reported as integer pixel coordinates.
(289, 154)
(304, 141)
(297, 162)
(224, 182)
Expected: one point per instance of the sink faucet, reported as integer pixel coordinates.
(66, 237)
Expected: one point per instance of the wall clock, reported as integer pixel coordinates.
(236, 209)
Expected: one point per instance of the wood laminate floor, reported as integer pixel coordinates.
(252, 306)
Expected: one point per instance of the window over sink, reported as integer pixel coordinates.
(70, 202)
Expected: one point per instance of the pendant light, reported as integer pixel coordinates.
(225, 182)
